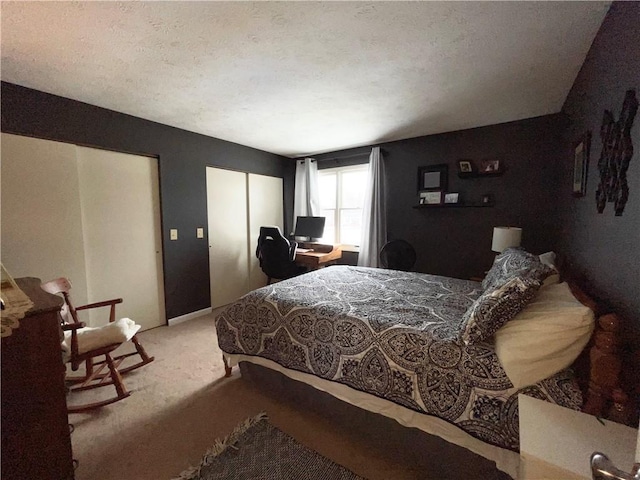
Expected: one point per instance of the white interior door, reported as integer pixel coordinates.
(120, 201)
(265, 208)
(41, 220)
(228, 240)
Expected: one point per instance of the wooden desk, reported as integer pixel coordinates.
(314, 260)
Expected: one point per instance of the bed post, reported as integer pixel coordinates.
(227, 368)
(605, 365)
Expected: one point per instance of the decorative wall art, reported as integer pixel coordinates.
(617, 151)
(581, 152)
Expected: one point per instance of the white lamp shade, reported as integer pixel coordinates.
(505, 237)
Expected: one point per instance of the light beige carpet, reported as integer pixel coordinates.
(181, 403)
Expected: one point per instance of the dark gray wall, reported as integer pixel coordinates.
(602, 248)
(183, 157)
(457, 241)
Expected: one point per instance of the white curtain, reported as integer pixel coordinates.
(306, 200)
(374, 213)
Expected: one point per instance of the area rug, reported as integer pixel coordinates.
(256, 450)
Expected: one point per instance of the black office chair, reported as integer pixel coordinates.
(398, 255)
(277, 255)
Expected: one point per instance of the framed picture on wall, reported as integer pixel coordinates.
(486, 199)
(581, 150)
(431, 198)
(451, 197)
(465, 166)
(433, 177)
(490, 165)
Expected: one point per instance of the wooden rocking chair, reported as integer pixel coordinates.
(88, 343)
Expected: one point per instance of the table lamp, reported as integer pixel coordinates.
(505, 237)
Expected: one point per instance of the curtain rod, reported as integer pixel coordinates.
(341, 157)
(344, 157)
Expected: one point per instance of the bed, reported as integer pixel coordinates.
(425, 350)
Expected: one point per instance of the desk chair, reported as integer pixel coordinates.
(398, 255)
(277, 255)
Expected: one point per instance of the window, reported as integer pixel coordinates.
(341, 201)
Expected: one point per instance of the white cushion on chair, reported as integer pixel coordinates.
(90, 338)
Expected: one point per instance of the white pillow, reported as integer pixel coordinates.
(549, 259)
(545, 337)
(90, 338)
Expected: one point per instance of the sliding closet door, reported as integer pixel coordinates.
(227, 218)
(41, 222)
(265, 208)
(120, 202)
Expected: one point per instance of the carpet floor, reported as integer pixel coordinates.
(181, 403)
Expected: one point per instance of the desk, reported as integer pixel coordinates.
(314, 260)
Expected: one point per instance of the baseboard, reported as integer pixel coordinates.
(189, 316)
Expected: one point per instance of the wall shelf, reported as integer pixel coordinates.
(496, 173)
(454, 205)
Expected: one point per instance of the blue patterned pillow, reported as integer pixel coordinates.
(515, 262)
(496, 307)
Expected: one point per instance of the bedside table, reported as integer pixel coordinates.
(557, 442)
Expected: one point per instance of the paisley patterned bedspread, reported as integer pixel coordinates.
(392, 334)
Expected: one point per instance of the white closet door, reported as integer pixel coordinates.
(228, 240)
(265, 208)
(120, 201)
(41, 222)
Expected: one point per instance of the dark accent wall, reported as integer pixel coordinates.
(182, 156)
(602, 248)
(457, 241)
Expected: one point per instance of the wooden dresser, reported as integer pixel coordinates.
(36, 443)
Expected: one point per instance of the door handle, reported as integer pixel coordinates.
(603, 469)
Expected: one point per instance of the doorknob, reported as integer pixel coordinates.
(603, 469)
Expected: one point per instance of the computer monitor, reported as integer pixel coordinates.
(309, 227)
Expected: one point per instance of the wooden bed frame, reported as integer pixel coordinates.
(598, 368)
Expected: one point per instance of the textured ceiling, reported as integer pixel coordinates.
(299, 78)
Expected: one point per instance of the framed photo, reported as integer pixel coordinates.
(487, 166)
(465, 166)
(486, 199)
(581, 164)
(433, 177)
(430, 198)
(451, 197)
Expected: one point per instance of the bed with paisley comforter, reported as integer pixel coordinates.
(394, 335)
